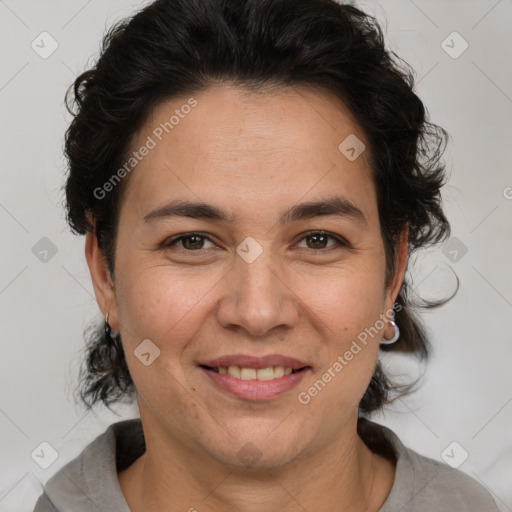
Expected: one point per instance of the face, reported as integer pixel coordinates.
(259, 272)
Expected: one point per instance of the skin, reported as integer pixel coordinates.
(253, 155)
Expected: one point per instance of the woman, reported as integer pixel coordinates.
(251, 177)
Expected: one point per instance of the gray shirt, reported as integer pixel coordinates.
(89, 482)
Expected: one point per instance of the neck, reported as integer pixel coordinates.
(342, 475)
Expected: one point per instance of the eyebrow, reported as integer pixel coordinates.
(335, 206)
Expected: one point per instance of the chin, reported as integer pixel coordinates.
(251, 458)
(259, 451)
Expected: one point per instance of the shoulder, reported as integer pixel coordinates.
(447, 488)
(421, 483)
(89, 482)
(44, 504)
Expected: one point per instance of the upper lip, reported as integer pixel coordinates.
(247, 361)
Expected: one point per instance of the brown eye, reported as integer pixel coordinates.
(190, 242)
(319, 240)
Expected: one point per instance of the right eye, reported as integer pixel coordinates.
(190, 242)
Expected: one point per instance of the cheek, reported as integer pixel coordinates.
(347, 300)
(348, 310)
(159, 301)
(161, 304)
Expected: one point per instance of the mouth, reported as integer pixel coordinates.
(247, 373)
(254, 379)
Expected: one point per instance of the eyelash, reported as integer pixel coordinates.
(341, 242)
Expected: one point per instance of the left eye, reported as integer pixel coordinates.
(320, 238)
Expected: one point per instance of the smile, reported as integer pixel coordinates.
(267, 373)
(254, 384)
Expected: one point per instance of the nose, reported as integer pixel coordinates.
(258, 297)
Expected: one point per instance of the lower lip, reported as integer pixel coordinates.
(255, 389)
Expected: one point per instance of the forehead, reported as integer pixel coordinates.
(273, 147)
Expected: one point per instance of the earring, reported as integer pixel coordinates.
(384, 341)
(111, 338)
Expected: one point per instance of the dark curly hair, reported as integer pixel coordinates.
(172, 48)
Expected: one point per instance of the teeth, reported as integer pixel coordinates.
(267, 373)
(234, 371)
(247, 373)
(279, 371)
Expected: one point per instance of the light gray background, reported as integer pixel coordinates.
(44, 306)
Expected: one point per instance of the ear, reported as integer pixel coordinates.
(401, 257)
(104, 287)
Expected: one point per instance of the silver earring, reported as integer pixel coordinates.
(384, 341)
